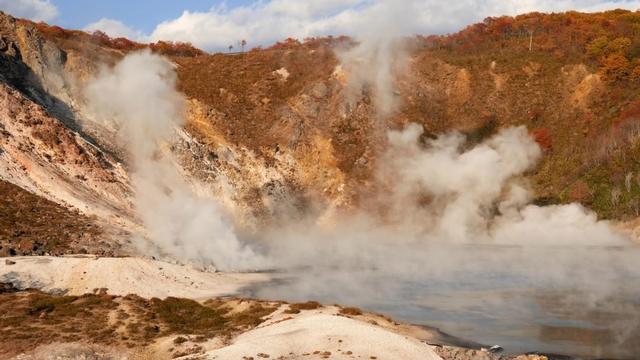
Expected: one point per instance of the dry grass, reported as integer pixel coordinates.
(297, 307)
(32, 318)
(352, 311)
(32, 225)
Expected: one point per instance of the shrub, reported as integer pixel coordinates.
(353, 311)
(309, 305)
(597, 46)
(184, 315)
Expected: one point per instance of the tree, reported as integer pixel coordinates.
(597, 46)
(616, 67)
(230, 48)
(619, 45)
(242, 44)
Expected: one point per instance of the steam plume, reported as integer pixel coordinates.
(137, 97)
(373, 63)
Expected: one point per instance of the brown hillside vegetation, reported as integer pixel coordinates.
(32, 318)
(31, 225)
(575, 87)
(571, 78)
(577, 82)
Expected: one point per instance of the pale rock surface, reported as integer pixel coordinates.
(322, 334)
(121, 276)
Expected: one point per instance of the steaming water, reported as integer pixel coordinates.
(478, 297)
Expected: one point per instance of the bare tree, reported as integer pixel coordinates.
(242, 44)
(230, 48)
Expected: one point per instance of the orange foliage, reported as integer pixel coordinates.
(610, 39)
(543, 137)
(615, 67)
(170, 48)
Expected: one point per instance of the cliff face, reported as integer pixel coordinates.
(270, 133)
(42, 146)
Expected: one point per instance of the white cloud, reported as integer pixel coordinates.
(115, 29)
(37, 10)
(266, 22)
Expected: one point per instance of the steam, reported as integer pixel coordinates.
(441, 194)
(138, 99)
(379, 55)
(443, 211)
(458, 195)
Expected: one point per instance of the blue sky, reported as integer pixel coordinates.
(213, 24)
(140, 14)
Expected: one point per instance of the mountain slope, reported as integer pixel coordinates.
(270, 134)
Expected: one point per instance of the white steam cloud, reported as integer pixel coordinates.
(440, 194)
(138, 98)
(374, 62)
(479, 194)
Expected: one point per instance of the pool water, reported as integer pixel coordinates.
(570, 301)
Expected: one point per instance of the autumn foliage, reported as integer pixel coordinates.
(610, 40)
(543, 137)
(100, 38)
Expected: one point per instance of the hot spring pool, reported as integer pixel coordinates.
(565, 300)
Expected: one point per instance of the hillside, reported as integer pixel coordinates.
(273, 124)
(573, 82)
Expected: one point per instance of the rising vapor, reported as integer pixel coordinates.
(139, 100)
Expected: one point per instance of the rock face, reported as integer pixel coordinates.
(42, 148)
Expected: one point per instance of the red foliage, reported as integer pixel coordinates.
(579, 191)
(543, 137)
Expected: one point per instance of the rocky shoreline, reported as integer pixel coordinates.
(192, 314)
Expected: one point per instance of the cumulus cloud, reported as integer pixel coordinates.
(37, 10)
(115, 28)
(263, 23)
